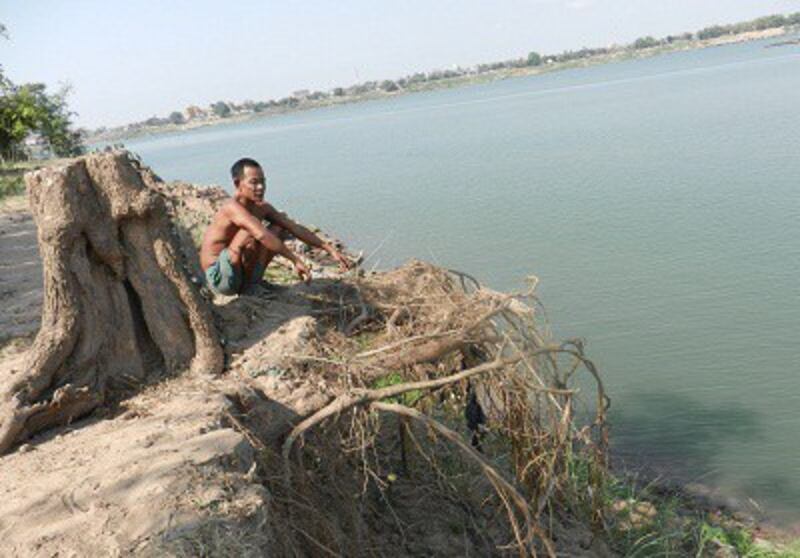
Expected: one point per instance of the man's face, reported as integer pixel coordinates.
(252, 183)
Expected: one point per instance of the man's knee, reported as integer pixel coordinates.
(243, 240)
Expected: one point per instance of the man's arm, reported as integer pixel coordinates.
(302, 233)
(244, 219)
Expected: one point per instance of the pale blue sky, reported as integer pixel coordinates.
(128, 60)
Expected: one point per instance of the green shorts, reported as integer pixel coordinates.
(225, 278)
(222, 276)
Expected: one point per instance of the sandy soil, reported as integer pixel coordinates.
(20, 271)
(103, 486)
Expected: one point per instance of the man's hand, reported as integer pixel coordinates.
(344, 263)
(302, 270)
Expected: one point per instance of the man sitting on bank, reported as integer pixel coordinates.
(237, 246)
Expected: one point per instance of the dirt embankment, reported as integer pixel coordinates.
(405, 413)
(20, 272)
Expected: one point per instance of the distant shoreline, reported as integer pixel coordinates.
(621, 55)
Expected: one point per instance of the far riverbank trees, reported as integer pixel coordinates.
(534, 62)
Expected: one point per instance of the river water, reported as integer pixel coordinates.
(658, 202)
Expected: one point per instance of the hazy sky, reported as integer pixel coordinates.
(130, 60)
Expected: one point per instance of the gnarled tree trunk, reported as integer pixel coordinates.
(118, 303)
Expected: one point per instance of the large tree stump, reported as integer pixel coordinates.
(118, 304)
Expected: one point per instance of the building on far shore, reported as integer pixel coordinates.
(36, 147)
(193, 112)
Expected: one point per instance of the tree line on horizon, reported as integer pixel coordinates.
(224, 109)
(32, 117)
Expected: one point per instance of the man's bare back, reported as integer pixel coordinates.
(237, 246)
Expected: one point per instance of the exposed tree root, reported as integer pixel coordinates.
(361, 397)
(438, 338)
(512, 499)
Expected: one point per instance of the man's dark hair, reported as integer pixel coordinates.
(237, 170)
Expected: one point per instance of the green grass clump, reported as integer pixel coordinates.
(11, 185)
(648, 521)
(408, 398)
(365, 339)
(279, 275)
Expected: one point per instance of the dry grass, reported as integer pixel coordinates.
(388, 467)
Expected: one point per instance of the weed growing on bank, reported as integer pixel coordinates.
(650, 520)
(11, 183)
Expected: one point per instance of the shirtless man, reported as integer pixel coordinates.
(237, 246)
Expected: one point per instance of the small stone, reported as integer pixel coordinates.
(619, 506)
(646, 509)
(25, 448)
